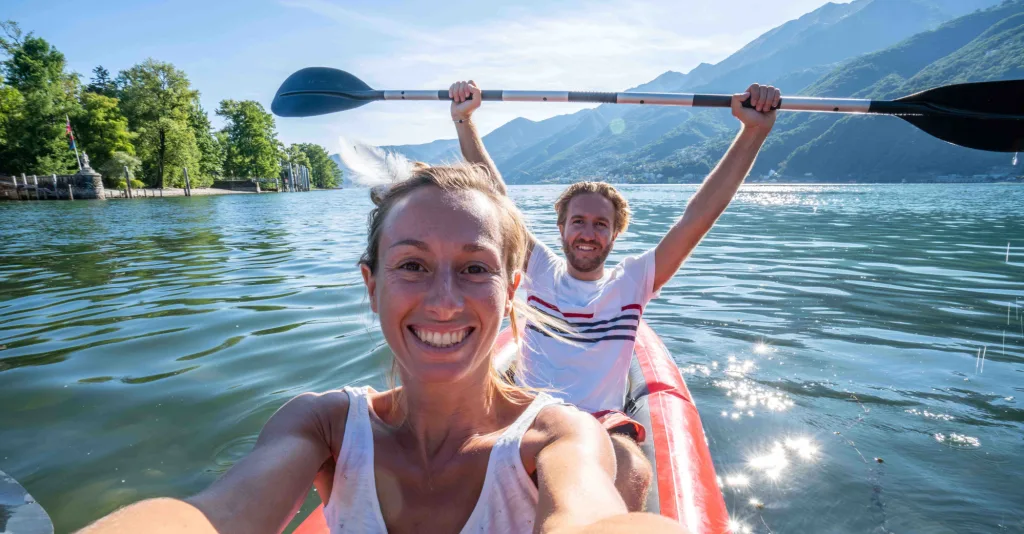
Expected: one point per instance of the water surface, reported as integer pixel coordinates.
(143, 344)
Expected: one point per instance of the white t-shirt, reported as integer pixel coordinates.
(604, 315)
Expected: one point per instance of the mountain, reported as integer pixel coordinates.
(798, 52)
(888, 149)
(985, 45)
(835, 50)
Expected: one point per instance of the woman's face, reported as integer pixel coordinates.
(440, 288)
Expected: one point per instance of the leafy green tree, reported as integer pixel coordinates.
(324, 171)
(35, 140)
(102, 83)
(211, 151)
(180, 151)
(157, 99)
(252, 146)
(101, 129)
(113, 169)
(294, 154)
(11, 104)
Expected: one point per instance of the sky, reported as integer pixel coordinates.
(244, 49)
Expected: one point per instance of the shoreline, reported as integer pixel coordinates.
(118, 194)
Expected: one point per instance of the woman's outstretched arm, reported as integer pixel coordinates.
(260, 493)
(576, 481)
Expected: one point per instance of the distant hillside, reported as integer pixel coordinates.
(825, 52)
(986, 45)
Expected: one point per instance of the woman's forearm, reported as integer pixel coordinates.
(155, 516)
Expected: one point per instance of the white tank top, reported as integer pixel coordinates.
(507, 503)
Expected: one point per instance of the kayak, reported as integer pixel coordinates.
(685, 487)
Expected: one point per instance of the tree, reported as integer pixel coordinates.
(157, 98)
(295, 155)
(251, 150)
(211, 152)
(101, 82)
(324, 171)
(113, 169)
(35, 137)
(11, 104)
(102, 130)
(180, 151)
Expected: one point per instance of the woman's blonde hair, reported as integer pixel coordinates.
(514, 242)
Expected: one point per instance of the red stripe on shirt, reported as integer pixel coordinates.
(555, 308)
(636, 307)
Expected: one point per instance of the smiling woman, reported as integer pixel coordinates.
(456, 448)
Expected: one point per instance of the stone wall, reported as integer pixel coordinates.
(87, 184)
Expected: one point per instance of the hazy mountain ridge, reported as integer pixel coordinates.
(634, 143)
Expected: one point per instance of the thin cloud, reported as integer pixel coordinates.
(608, 47)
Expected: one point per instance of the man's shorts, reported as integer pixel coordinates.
(616, 422)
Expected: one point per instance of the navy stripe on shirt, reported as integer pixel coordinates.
(586, 339)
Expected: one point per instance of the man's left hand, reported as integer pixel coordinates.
(761, 116)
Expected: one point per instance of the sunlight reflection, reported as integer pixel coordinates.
(958, 440)
(738, 527)
(772, 463)
(802, 446)
(737, 481)
(929, 415)
(748, 395)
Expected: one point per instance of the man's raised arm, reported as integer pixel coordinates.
(720, 186)
(469, 138)
(472, 144)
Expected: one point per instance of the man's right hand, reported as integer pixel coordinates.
(462, 107)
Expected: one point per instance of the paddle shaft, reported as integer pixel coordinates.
(789, 103)
(980, 115)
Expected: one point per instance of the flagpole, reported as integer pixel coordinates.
(73, 145)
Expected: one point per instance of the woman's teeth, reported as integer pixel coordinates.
(437, 339)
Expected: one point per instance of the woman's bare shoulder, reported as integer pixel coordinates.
(321, 415)
(555, 422)
(562, 420)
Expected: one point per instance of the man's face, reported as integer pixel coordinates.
(587, 236)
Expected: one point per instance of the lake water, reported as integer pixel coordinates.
(143, 344)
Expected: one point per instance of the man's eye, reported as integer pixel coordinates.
(411, 266)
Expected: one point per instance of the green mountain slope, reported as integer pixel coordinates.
(885, 148)
(821, 53)
(797, 52)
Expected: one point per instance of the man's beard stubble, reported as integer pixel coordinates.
(585, 265)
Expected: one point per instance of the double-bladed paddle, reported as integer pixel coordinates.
(19, 512)
(985, 115)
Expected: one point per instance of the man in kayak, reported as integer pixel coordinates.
(604, 305)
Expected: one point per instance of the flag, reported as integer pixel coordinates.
(71, 134)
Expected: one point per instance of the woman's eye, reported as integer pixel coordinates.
(477, 269)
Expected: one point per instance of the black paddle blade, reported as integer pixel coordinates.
(994, 135)
(320, 90)
(19, 512)
(996, 98)
(984, 115)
